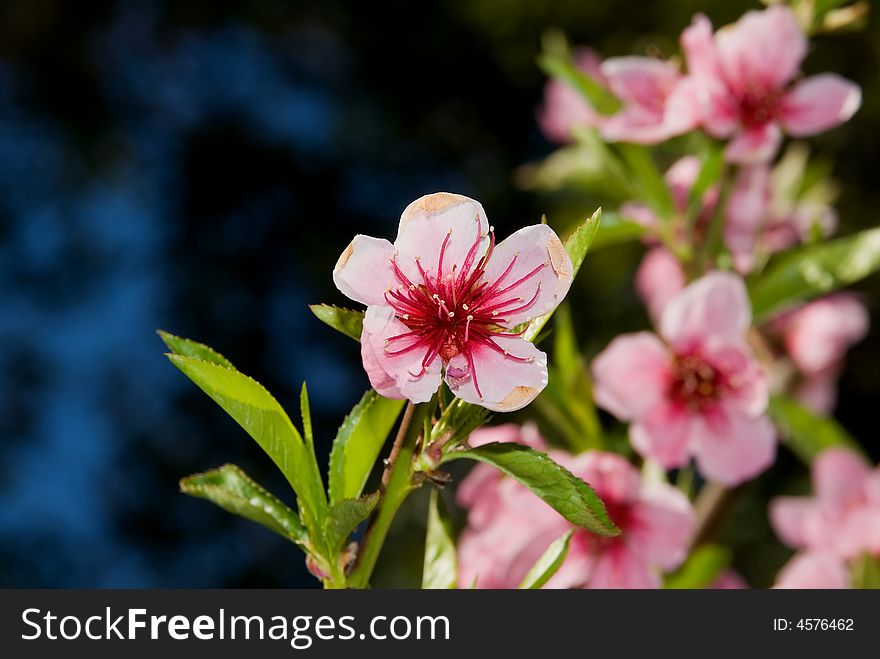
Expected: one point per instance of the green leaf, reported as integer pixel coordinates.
(348, 321)
(576, 245)
(306, 413)
(458, 421)
(567, 494)
(344, 517)
(358, 443)
(701, 568)
(806, 433)
(615, 230)
(234, 491)
(866, 572)
(710, 171)
(556, 62)
(440, 570)
(255, 410)
(652, 185)
(808, 272)
(188, 348)
(550, 561)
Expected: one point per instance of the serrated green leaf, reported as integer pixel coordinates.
(440, 571)
(576, 246)
(701, 568)
(550, 561)
(344, 517)
(188, 348)
(255, 410)
(358, 443)
(306, 414)
(566, 493)
(806, 433)
(348, 321)
(808, 272)
(234, 491)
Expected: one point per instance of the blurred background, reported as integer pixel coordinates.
(198, 166)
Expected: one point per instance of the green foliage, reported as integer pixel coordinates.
(806, 433)
(181, 346)
(344, 517)
(711, 167)
(616, 230)
(866, 572)
(234, 491)
(807, 272)
(701, 568)
(568, 495)
(650, 182)
(548, 564)
(458, 420)
(440, 569)
(348, 321)
(556, 61)
(358, 443)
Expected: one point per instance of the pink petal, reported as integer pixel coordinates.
(564, 108)
(680, 178)
(819, 333)
(506, 383)
(661, 525)
(788, 516)
(508, 432)
(761, 51)
(396, 375)
(754, 145)
(659, 278)
(872, 487)
(631, 374)
(860, 533)
(640, 81)
(839, 476)
(748, 386)
(540, 264)
(363, 271)
(425, 225)
(611, 475)
(818, 103)
(663, 435)
(620, 567)
(575, 571)
(731, 447)
(698, 45)
(729, 580)
(715, 305)
(479, 493)
(640, 214)
(814, 570)
(818, 392)
(746, 211)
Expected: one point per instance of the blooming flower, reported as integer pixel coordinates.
(445, 301)
(700, 393)
(509, 528)
(659, 279)
(838, 524)
(743, 77)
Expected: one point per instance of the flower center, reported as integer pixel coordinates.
(454, 313)
(695, 384)
(757, 107)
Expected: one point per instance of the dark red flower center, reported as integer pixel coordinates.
(695, 383)
(757, 107)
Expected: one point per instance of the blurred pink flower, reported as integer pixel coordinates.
(761, 219)
(659, 278)
(814, 569)
(700, 393)
(509, 528)
(444, 299)
(843, 516)
(564, 108)
(743, 78)
(817, 336)
(729, 580)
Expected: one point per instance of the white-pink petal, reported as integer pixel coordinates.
(818, 103)
(788, 516)
(754, 144)
(631, 375)
(731, 447)
(715, 305)
(363, 271)
(659, 278)
(839, 477)
(661, 525)
(664, 435)
(814, 570)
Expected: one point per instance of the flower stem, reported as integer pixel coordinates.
(397, 484)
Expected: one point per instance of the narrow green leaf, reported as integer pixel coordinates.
(344, 517)
(567, 494)
(576, 245)
(348, 321)
(710, 171)
(866, 572)
(615, 230)
(701, 568)
(440, 570)
(808, 272)
(234, 491)
(255, 410)
(650, 181)
(188, 348)
(358, 443)
(564, 70)
(806, 433)
(550, 561)
(306, 413)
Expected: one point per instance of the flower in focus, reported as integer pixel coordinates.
(838, 524)
(445, 301)
(699, 391)
(564, 108)
(816, 337)
(509, 528)
(743, 75)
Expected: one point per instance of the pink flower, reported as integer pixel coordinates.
(700, 393)
(729, 580)
(657, 101)
(761, 219)
(444, 301)
(743, 78)
(816, 337)
(564, 108)
(497, 550)
(843, 518)
(814, 569)
(659, 279)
